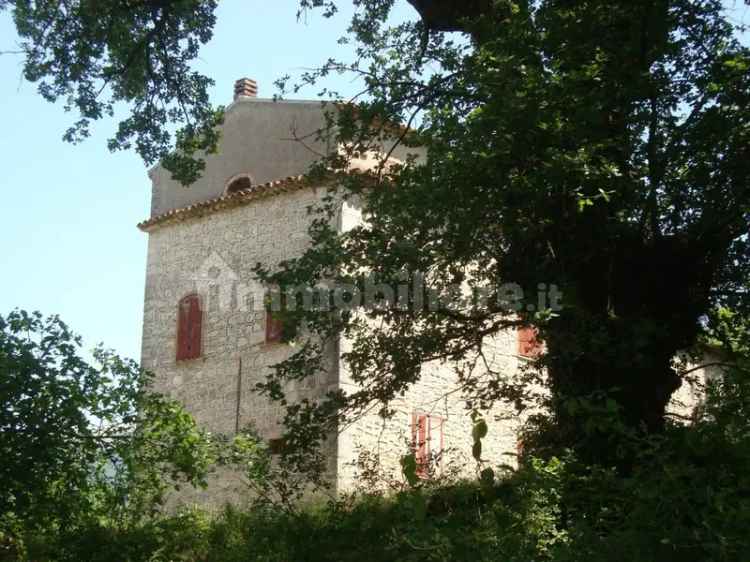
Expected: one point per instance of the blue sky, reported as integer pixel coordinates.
(69, 241)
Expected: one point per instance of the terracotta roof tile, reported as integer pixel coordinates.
(236, 199)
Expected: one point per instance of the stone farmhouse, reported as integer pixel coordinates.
(209, 344)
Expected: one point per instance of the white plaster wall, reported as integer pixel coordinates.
(267, 139)
(258, 138)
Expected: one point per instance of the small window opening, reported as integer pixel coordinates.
(239, 184)
(189, 324)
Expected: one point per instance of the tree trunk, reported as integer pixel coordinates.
(449, 15)
(615, 349)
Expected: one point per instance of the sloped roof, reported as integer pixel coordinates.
(229, 200)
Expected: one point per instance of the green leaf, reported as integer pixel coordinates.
(487, 476)
(479, 430)
(409, 469)
(476, 450)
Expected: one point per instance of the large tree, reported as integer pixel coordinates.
(603, 147)
(600, 147)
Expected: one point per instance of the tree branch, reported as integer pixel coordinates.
(450, 15)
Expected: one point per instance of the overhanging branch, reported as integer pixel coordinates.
(449, 15)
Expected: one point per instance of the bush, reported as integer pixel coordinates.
(686, 497)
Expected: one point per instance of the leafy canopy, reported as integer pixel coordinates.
(96, 56)
(599, 147)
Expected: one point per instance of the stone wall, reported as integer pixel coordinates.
(214, 255)
(436, 394)
(697, 369)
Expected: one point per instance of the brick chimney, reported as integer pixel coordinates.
(245, 88)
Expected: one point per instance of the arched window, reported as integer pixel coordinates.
(237, 183)
(189, 320)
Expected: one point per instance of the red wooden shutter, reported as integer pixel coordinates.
(189, 328)
(519, 448)
(274, 327)
(183, 319)
(420, 432)
(528, 344)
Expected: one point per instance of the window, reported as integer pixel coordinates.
(238, 183)
(276, 446)
(528, 344)
(520, 446)
(520, 451)
(274, 327)
(189, 320)
(427, 441)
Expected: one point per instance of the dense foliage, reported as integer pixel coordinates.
(688, 500)
(84, 441)
(93, 493)
(100, 56)
(601, 148)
